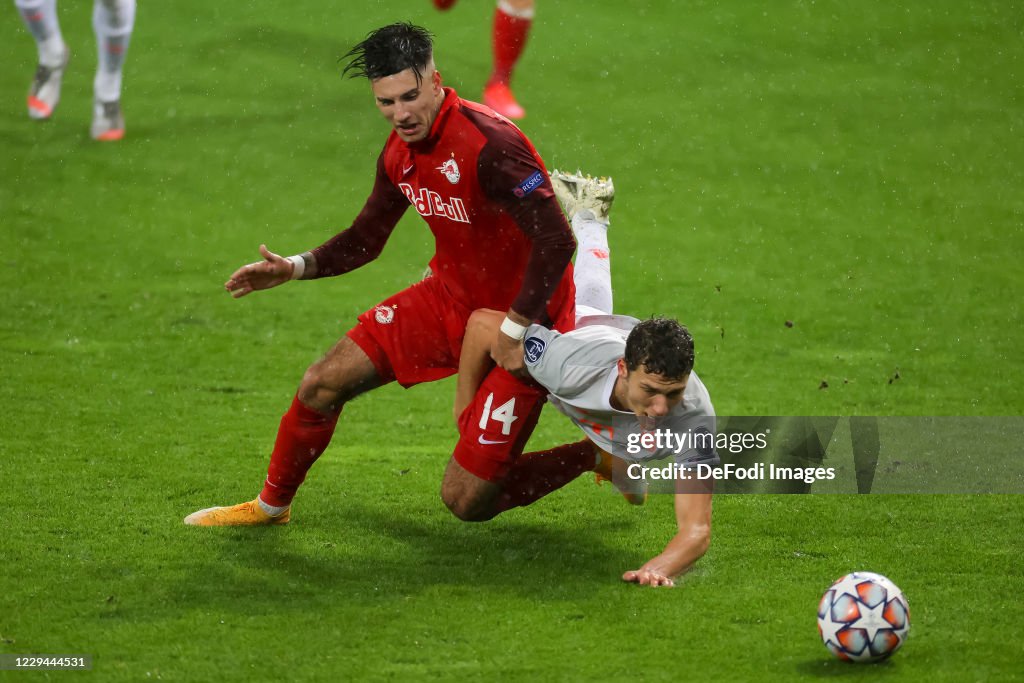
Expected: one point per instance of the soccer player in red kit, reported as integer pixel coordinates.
(502, 242)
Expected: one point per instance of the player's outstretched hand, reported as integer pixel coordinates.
(272, 271)
(508, 353)
(648, 577)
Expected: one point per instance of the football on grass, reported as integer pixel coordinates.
(863, 617)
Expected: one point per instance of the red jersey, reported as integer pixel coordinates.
(501, 238)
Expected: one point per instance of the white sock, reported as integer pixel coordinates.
(592, 273)
(507, 8)
(112, 20)
(271, 510)
(40, 17)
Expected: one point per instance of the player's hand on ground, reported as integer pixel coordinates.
(648, 577)
(508, 353)
(272, 271)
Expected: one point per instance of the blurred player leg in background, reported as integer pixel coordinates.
(509, 31)
(512, 21)
(40, 17)
(112, 20)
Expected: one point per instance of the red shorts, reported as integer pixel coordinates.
(494, 428)
(416, 336)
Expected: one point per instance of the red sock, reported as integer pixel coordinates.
(301, 439)
(508, 38)
(534, 475)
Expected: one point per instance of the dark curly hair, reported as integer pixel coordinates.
(662, 346)
(391, 50)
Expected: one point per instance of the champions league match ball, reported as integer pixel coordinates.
(863, 617)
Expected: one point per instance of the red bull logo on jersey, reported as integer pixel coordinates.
(430, 203)
(450, 169)
(385, 315)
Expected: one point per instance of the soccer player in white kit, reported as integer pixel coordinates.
(616, 378)
(112, 21)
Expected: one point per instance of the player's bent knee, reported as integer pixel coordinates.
(484, 320)
(469, 498)
(464, 503)
(468, 510)
(315, 391)
(342, 374)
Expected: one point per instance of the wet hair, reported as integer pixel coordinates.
(391, 50)
(662, 346)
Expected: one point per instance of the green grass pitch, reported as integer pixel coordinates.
(853, 168)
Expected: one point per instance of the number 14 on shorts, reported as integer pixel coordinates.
(505, 414)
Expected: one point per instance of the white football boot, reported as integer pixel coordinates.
(44, 93)
(107, 121)
(578, 193)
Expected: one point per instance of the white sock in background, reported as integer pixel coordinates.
(112, 20)
(40, 16)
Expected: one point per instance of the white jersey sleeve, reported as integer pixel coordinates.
(571, 365)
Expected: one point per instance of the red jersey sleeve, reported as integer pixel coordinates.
(511, 176)
(365, 239)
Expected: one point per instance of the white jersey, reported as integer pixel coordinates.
(579, 369)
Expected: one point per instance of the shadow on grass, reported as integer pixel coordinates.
(362, 556)
(829, 667)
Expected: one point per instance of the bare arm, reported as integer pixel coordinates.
(693, 520)
(475, 360)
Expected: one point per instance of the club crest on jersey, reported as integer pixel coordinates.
(450, 170)
(430, 203)
(529, 185)
(533, 348)
(384, 314)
